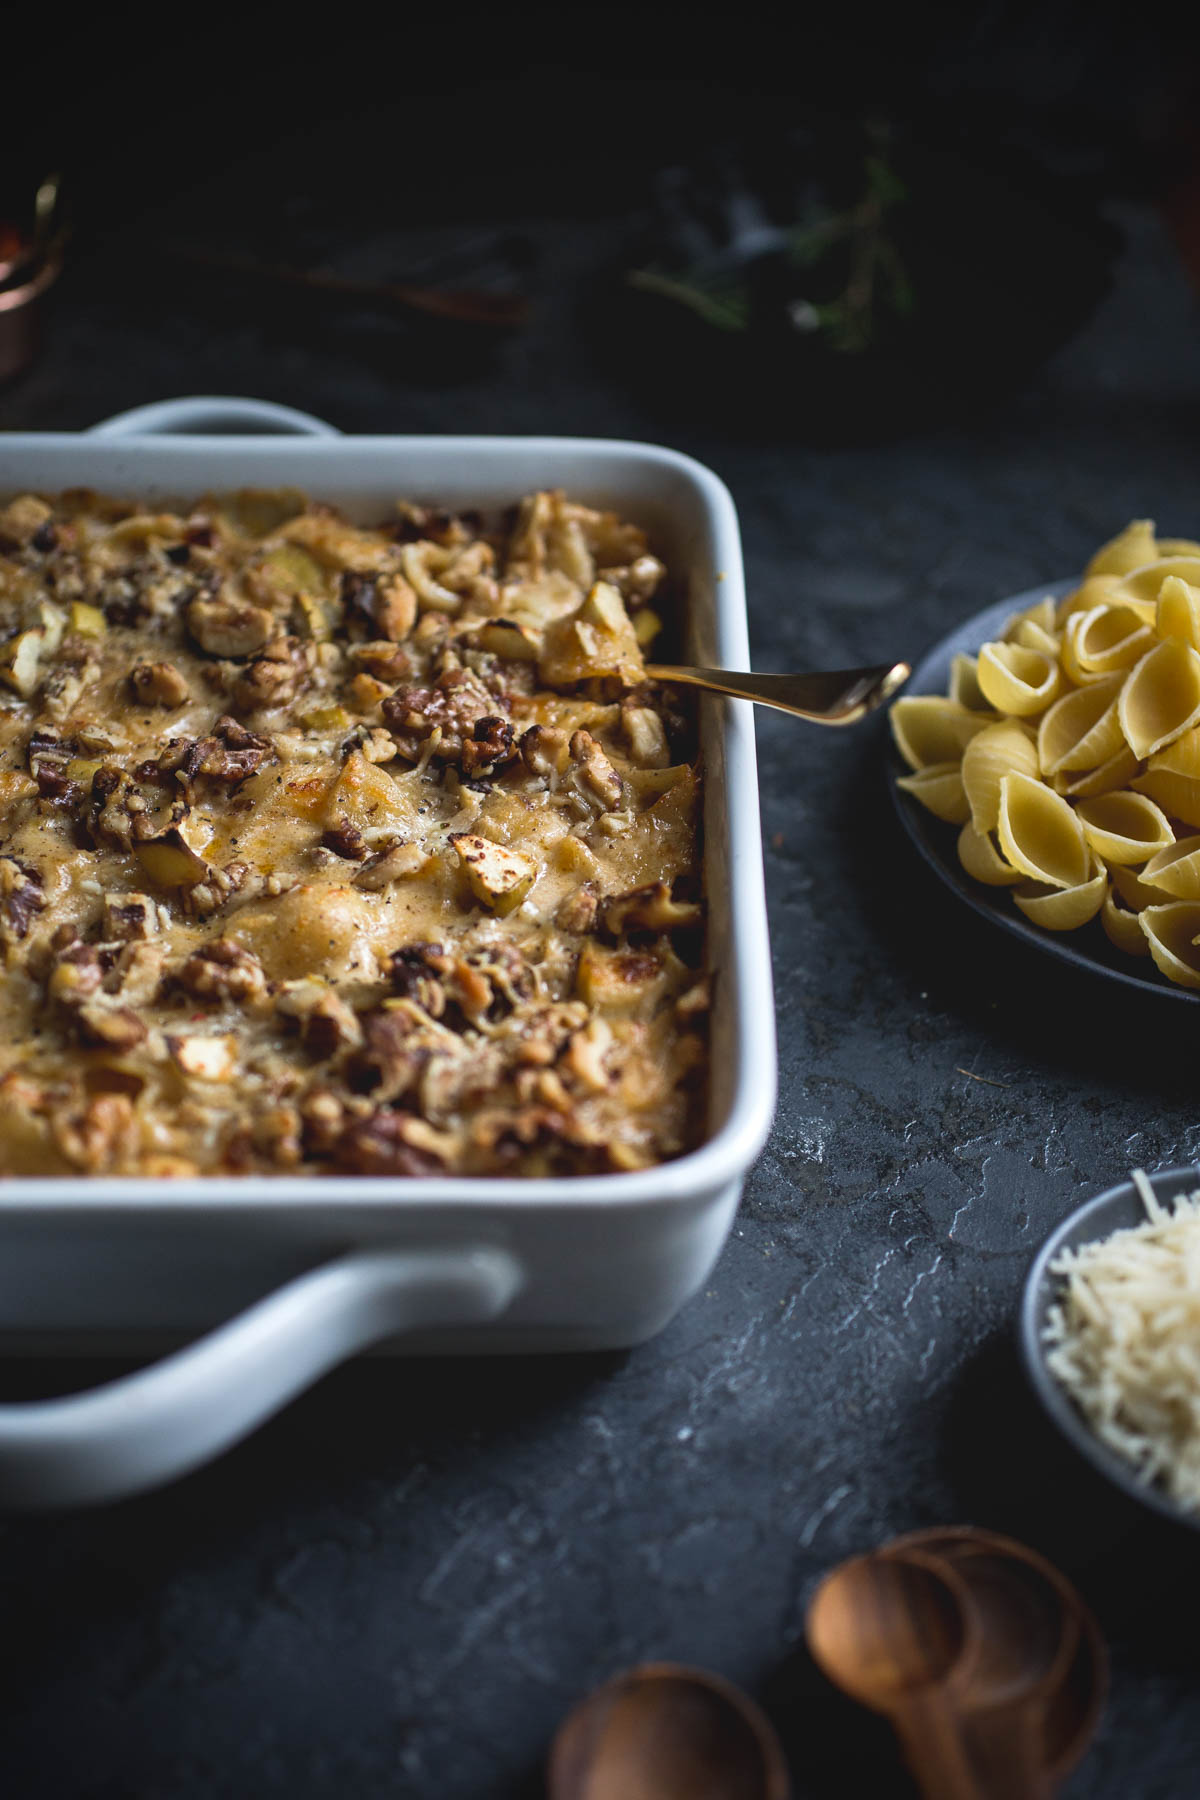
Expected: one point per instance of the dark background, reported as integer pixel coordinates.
(400, 1586)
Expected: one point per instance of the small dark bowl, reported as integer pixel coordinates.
(1116, 1210)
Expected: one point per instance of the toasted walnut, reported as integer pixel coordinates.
(277, 676)
(595, 771)
(489, 745)
(114, 1028)
(649, 908)
(97, 1137)
(229, 628)
(385, 661)
(129, 916)
(346, 840)
(222, 970)
(78, 971)
(577, 912)
(158, 684)
(415, 972)
(390, 1063)
(230, 755)
(21, 896)
(326, 1023)
(23, 519)
(452, 706)
(386, 1143)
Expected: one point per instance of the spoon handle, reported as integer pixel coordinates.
(826, 697)
(930, 1737)
(992, 1755)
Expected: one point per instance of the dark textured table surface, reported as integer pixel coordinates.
(399, 1586)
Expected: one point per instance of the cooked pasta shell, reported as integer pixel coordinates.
(1117, 772)
(1178, 611)
(1081, 730)
(1176, 869)
(1124, 827)
(1128, 550)
(1135, 893)
(1103, 642)
(1172, 931)
(1018, 681)
(1161, 699)
(939, 788)
(1178, 547)
(1040, 835)
(964, 684)
(929, 728)
(1123, 928)
(1097, 590)
(1004, 747)
(979, 856)
(1063, 909)
(1172, 779)
(1146, 583)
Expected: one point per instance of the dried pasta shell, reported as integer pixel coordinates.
(1081, 730)
(929, 728)
(1032, 636)
(964, 684)
(1043, 615)
(981, 859)
(1004, 747)
(1040, 835)
(1176, 869)
(1135, 893)
(1063, 909)
(1172, 779)
(1178, 611)
(1018, 681)
(1097, 590)
(1117, 772)
(1103, 642)
(1128, 550)
(1172, 931)
(1146, 583)
(939, 788)
(1123, 928)
(1161, 699)
(1124, 827)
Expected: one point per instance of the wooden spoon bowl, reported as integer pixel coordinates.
(663, 1731)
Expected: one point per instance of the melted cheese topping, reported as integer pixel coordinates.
(333, 849)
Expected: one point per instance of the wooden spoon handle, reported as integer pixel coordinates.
(931, 1740)
(993, 1755)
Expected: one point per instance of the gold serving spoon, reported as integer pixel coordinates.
(828, 697)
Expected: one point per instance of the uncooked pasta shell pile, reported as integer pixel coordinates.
(1067, 753)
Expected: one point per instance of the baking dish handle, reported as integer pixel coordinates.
(162, 1421)
(213, 415)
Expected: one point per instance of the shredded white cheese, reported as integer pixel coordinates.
(1124, 1341)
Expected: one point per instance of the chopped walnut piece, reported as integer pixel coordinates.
(21, 896)
(649, 908)
(345, 840)
(596, 772)
(277, 676)
(489, 745)
(578, 911)
(326, 1023)
(95, 1138)
(115, 1028)
(386, 1143)
(222, 970)
(544, 750)
(129, 916)
(158, 684)
(452, 705)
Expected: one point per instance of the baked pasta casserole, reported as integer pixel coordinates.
(333, 849)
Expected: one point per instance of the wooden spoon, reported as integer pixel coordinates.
(898, 1634)
(1043, 1667)
(666, 1732)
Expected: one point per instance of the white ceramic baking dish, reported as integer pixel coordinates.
(115, 1266)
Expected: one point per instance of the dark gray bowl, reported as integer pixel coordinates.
(1113, 1211)
(1087, 949)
